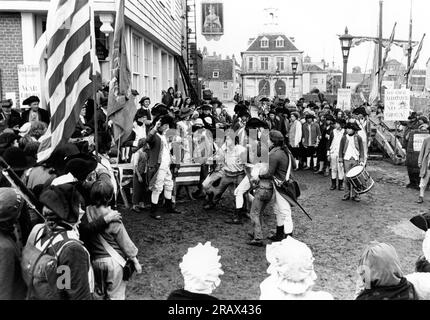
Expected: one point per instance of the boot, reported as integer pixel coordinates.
(321, 168)
(155, 212)
(333, 184)
(209, 204)
(341, 187)
(236, 218)
(279, 236)
(170, 208)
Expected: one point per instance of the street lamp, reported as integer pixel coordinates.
(345, 43)
(294, 66)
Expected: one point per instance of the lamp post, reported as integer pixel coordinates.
(294, 66)
(345, 43)
(277, 74)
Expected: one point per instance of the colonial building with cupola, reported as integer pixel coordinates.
(268, 63)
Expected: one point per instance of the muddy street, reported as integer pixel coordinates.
(337, 235)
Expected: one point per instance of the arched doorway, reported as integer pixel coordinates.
(264, 88)
(280, 88)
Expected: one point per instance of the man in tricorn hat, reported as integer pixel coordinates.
(351, 154)
(269, 185)
(159, 162)
(34, 113)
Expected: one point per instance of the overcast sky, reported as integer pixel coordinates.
(315, 25)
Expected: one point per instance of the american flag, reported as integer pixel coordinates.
(387, 50)
(69, 69)
(417, 55)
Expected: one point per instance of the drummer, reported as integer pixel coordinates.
(351, 154)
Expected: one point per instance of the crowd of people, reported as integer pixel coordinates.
(74, 224)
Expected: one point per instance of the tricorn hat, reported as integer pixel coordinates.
(64, 200)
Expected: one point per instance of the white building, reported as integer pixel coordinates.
(155, 29)
(267, 54)
(314, 75)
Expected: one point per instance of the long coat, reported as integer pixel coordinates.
(423, 158)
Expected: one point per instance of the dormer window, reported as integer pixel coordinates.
(280, 42)
(264, 43)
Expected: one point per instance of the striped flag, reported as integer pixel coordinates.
(417, 55)
(69, 70)
(387, 50)
(188, 174)
(121, 106)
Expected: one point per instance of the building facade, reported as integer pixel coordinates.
(221, 76)
(155, 31)
(267, 69)
(314, 76)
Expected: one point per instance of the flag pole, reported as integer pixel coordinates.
(93, 59)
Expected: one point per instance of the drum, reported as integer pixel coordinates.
(360, 179)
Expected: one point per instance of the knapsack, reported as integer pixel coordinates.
(39, 268)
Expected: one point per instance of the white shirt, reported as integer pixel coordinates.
(165, 152)
(351, 151)
(140, 132)
(335, 144)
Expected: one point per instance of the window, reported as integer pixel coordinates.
(279, 43)
(225, 96)
(315, 81)
(250, 63)
(215, 74)
(264, 63)
(225, 85)
(155, 71)
(136, 48)
(147, 71)
(264, 43)
(280, 63)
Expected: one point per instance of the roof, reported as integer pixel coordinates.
(288, 45)
(224, 67)
(312, 68)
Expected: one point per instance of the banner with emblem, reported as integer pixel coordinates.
(212, 19)
(397, 104)
(344, 99)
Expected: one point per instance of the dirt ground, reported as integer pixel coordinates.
(337, 236)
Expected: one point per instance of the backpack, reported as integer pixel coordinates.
(39, 268)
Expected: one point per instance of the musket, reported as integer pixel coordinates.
(18, 185)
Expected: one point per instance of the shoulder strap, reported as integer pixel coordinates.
(112, 252)
(287, 177)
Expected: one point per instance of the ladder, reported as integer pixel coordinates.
(187, 79)
(192, 44)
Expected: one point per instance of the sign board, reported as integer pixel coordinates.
(344, 99)
(212, 20)
(397, 104)
(29, 81)
(418, 140)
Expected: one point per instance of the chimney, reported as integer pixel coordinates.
(227, 57)
(214, 54)
(220, 56)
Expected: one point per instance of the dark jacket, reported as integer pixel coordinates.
(11, 121)
(43, 116)
(12, 286)
(344, 146)
(278, 164)
(314, 131)
(154, 142)
(76, 258)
